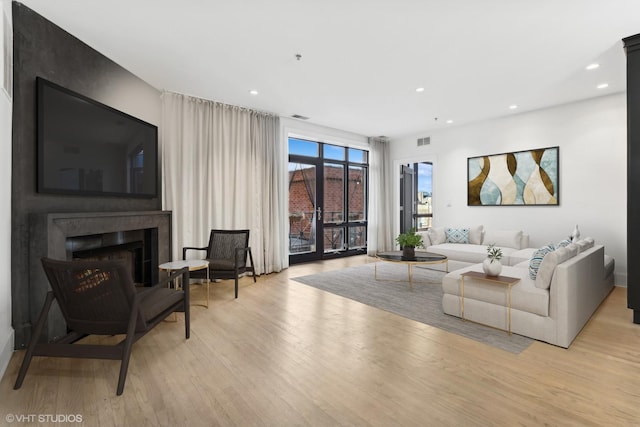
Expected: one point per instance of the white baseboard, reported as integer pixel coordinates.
(620, 279)
(6, 351)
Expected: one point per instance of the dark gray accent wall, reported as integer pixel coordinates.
(632, 49)
(43, 49)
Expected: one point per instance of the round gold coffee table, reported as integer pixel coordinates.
(193, 264)
(422, 258)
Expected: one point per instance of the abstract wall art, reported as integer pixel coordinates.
(519, 178)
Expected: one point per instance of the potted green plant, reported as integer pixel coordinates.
(409, 241)
(492, 265)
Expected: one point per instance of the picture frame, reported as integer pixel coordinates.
(519, 178)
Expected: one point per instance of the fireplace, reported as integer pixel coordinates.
(143, 237)
(129, 246)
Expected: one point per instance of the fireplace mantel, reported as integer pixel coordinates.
(48, 234)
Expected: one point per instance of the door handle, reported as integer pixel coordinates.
(319, 210)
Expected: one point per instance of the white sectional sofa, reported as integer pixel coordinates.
(514, 244)
(569, 286)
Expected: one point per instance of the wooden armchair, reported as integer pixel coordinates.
(227, 255)
(99, 298)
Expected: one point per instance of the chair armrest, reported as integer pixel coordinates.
(239, 251)
(186, 248)
(184, 272)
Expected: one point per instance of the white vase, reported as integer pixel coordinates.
(575, 235)
(492, 268)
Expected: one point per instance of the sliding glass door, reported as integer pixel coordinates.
(327, 200)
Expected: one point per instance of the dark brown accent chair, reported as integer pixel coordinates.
(100, 298)
(227, 255)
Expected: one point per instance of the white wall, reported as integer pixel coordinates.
(593, 158)
(6, 331)
(319, 133)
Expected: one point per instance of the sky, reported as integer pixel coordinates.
(425, 177)
(331, 152)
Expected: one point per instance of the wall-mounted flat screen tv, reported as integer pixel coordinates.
(88, 148)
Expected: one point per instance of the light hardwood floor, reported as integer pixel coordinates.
(285, 354)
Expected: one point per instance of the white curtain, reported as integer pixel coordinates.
(221, 168)
(380, 231)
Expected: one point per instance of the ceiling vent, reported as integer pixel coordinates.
(424, 141)
(298, 116)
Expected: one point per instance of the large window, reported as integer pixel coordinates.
(327, 200)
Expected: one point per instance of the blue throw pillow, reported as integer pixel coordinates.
(563, 243)
(536, 259)
(457, 235)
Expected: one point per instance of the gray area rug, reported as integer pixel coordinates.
(422, 304)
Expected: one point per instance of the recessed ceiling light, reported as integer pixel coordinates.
(420, 89)
(449, 121)
(253, 92)
(603, 85)
(593, 66)
(513, 107)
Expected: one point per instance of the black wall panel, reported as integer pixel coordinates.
(632, 48)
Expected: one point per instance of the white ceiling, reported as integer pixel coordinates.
(362, 60)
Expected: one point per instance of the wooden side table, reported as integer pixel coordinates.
(193, 264)
(506, 281)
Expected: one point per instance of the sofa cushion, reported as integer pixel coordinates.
(457, 235)
(536, 259)
(437, 236)
(426, 241)
(519, 256)
(465, 253)
(524, 295)
(523, 264)
(508, 239)
(584, 244)
(475, 235)
(609, 265)
(550, 262)
(573, 249)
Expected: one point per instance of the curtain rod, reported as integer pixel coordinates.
(222, 104)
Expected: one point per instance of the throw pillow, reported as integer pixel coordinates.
(573, 250)
(426, 241)
(437, 236)
(457, 235)
(563, 243)
(536, 260)
(549, 264)
(506, 239)
(475, 235)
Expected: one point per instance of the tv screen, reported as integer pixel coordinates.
(88, 148)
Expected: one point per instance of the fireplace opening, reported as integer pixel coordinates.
(132, 253)
(137, 247)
